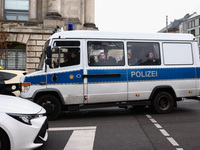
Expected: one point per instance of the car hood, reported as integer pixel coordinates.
(11, 104)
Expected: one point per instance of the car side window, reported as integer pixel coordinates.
(143, 53)
(105, 53)
(6, 76)
(1, 79)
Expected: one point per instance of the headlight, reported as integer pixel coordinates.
(25, 87)
(24, 118)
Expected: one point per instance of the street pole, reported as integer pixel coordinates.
(166, 24)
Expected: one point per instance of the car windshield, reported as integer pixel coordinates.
(42, 57)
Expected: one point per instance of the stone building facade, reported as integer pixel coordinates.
(31, 22)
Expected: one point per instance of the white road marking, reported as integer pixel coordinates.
(72, 128)
(148, 116)
(164, 132)
(82, 138)
(153, 120)
(157, 125)
(172, 141)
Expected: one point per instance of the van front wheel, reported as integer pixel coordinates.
(51, 104)
(163, 103)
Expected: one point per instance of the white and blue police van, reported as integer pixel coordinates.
(87, 69)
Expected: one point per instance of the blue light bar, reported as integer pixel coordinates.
(70, 27)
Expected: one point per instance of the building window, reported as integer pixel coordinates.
(199, 21)
(191, 24)
(16, 9)
(14, 59)
(193, 32)
(199, 31)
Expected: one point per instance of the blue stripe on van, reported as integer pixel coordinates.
(146, 74)
(135, 75)
(72, 77)
(198, 72)
(34, 80)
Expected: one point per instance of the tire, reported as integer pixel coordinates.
(163, 103)
(4, 141)
(51, 104)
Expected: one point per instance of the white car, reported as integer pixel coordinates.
(23, 124)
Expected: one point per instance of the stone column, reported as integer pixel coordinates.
(33, 10)
(53, 9)
(1, 9)
(89, 14)
(53, 17)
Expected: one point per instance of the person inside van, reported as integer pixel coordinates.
(66, 60)
(75, 58)
(102, 59)
(131, 61)
(91, 61)
(151, 60)
(112, 61)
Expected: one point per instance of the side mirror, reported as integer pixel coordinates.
(48, 61)
(49, 52)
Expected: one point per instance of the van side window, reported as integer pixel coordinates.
(105, 53)
(143, 53)
(65, 53)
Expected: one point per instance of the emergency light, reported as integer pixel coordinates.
(70, 27)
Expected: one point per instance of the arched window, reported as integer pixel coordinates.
(14, 57)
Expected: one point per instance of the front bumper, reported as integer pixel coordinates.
(23, 136)
(41, 137)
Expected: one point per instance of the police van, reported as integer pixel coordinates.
(87, 69)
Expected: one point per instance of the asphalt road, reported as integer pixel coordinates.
(132, 129)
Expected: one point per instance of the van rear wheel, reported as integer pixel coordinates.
(51, 104)
(163, 103)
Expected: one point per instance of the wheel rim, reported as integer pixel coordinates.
(49, 107)
(163, 103)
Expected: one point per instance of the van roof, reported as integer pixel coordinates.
(83, 34)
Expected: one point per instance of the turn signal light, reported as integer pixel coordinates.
(137, 95)
(42, 83)
(85, 97)
(190, 91)
(25, 84)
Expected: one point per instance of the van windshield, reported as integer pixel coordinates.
(42, 57)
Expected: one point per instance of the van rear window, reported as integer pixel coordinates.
(177, 54)
(143, 53)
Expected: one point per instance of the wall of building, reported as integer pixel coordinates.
(192, 26)
(44, 16)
